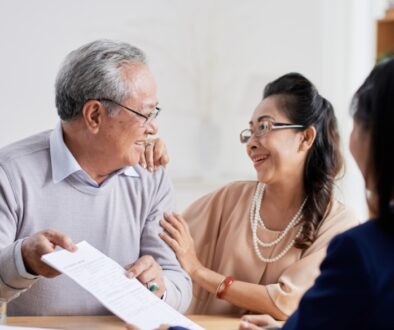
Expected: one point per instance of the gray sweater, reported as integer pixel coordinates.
(119, 218)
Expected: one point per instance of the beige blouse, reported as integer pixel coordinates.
(220, 225)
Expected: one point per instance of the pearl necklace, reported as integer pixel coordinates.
(255, 220)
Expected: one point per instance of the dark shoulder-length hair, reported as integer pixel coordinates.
(373, 109)
(300, 101)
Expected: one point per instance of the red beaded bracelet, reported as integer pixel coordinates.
(227, 281)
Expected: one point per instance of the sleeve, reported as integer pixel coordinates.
(12, 284)
(341, 294)
(300, 275)
(178, 283)
(204, 218)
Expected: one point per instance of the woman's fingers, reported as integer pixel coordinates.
(174, 232)
(149, 151)
(174, 221)
(258, 320)
(172, 243)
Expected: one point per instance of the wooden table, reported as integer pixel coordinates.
(209, 322)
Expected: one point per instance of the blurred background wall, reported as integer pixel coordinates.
(211, 60)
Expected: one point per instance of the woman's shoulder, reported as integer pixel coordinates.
(339, 216)
(233, 193)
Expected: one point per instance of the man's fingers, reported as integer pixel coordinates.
(149, 275)
(32, 249)
(140, 266)
(60, 239)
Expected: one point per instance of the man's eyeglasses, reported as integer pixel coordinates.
(148, 118)
(263, 128)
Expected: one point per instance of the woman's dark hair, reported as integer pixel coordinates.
(373, 109)
(300, 101)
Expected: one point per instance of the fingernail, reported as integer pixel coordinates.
(130, 275)
(143, 165)
(245, 324)
(151, 168)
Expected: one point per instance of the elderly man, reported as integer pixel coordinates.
(81, 182)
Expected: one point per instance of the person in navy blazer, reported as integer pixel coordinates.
(355, 289)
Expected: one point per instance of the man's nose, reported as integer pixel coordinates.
(152, 127)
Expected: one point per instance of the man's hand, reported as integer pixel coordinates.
(155, 155)
(148, 271)
(41, 243)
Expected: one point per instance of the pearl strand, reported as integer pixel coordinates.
(255, 220)
(294, 222)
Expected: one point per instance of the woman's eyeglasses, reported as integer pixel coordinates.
(263, 128)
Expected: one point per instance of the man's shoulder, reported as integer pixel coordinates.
(149, 180)
(23, 149)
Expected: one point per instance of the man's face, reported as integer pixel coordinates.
(123, 135)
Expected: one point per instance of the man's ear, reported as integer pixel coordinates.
(93, 114)
(307, 138)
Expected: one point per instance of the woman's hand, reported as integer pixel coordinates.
(258, 322)
(180, 240)
(155, 155)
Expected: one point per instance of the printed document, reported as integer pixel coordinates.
(106, 280)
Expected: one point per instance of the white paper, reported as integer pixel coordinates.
(106, 280)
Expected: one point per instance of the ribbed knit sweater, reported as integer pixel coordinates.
(121, 219)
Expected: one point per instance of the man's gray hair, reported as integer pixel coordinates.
(94, 71)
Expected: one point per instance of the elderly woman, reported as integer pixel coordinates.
(356, 289)
(257, 245)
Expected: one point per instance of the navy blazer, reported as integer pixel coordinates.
(355, 289)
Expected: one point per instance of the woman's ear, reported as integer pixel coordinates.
(307, 138)
(92, 113)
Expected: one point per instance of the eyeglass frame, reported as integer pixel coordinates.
(148, 118)
(273, 126)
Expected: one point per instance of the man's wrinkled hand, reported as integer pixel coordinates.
(148, 271)
(42, 243)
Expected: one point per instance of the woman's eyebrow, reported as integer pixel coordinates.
(259, 119)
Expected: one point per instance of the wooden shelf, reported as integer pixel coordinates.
(385, 35)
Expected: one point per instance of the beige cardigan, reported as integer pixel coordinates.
(220, 225)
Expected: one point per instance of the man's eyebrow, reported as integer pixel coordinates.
(259, 119)
(151, 104)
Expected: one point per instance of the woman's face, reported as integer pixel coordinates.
(359, 145)
(276, 155)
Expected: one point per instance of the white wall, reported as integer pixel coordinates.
(211, 59)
